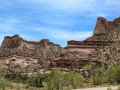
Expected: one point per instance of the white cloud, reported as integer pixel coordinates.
(68, 5)
(52, 21)
(8, 24)
(58, 18)
(67, 35)
(64, 34)
(93, 8)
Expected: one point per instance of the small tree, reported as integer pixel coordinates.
(4, 83)
(58, 80)
(96, 73)
(115, 74)
(53, 79)
(75, 79)
(35, 80)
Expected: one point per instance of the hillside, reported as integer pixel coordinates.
(103, 48)
(21, 55)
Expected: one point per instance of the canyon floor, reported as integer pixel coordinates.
(99, 88)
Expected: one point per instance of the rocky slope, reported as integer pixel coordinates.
(103, 48)
(42, 49)
(17, 52)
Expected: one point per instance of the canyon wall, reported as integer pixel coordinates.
(103, 48)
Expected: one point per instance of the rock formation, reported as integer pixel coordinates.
(103, 48)
(26, 52)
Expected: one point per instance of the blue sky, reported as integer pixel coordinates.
(56, 20)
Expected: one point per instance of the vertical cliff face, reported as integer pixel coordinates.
(101, 26)
(108, 29)
(103, 46)
(11, 42)
(43, 51)
(29, 56)
(104, 41)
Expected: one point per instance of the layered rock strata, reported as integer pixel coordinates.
(102, 48)
(27, 52)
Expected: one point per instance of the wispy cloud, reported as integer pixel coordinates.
(58, 20)
(8, 24)
(68, 5)
(64, 34)
(79, 6)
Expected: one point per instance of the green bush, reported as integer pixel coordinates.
(36, 80)
(57, 79)
(4, 83)
(96, 74)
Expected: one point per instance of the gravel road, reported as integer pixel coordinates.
(99, 88)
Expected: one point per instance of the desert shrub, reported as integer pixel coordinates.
(56, 79)
(116, 74)
(96, 74)
(4, 83)
(113, 75)
(33, 80)
(75, 79)
(17, 77)
(36, 80)
(53, 79)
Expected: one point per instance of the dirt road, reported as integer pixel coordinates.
(99, 88)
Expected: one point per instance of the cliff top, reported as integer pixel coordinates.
(103, 26)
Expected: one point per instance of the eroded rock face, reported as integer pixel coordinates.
(101, 26)
(11, 42)
(105, 33)
(103, 48)
(16, 47)
(44, 48)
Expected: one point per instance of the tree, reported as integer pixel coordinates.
(36, 80)
(115, 74)
(53, 79)
(57, 79)
(96, 74)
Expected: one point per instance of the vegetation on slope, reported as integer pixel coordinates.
(59, 80)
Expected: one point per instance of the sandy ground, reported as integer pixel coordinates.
(99, 88)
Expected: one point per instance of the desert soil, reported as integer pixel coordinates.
(99, 88)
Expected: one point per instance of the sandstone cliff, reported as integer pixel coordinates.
(106, 30)
(44, 48)
(103, 48)
(25, 53)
